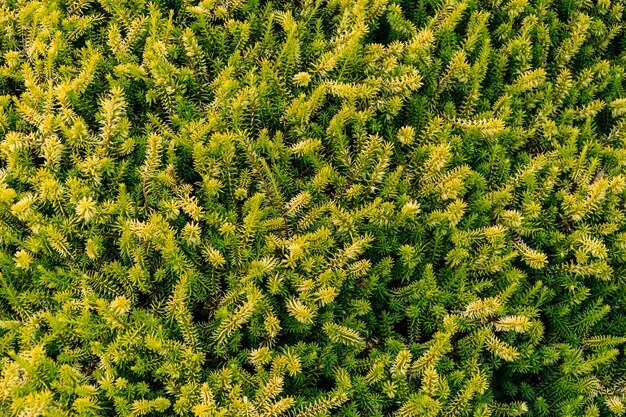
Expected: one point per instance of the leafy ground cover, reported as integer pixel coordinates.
(312, 208)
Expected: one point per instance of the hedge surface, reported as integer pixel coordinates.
(312, 208)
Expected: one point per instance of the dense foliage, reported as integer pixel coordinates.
(312, 208)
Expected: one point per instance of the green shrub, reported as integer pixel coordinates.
(312, 208)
